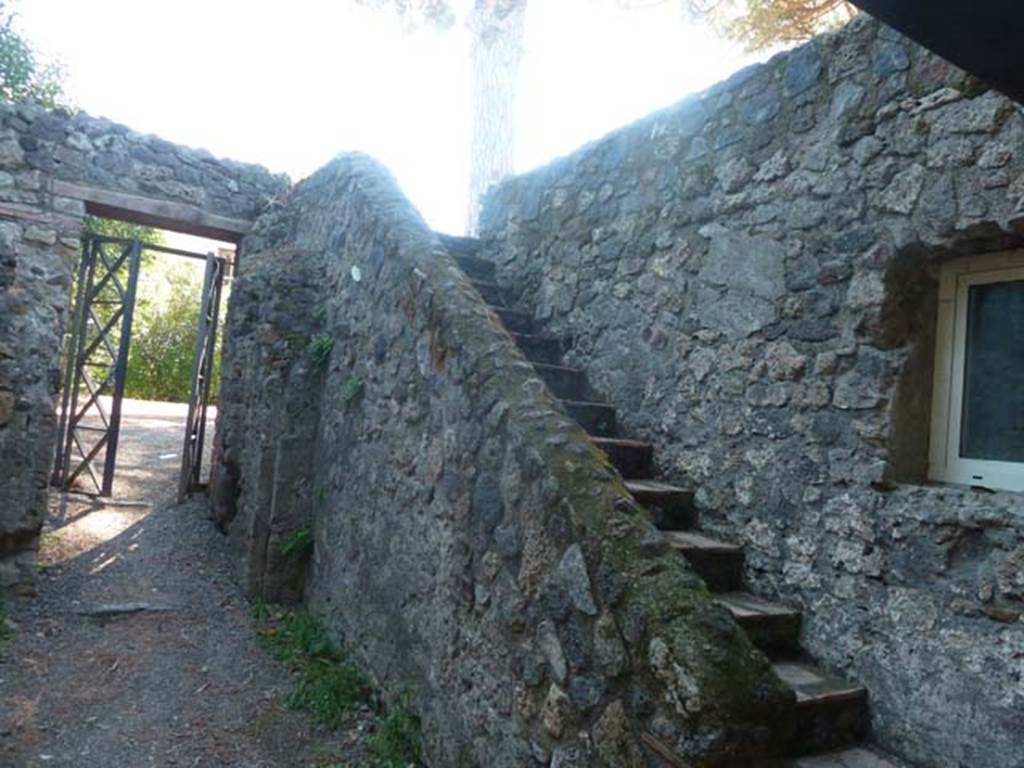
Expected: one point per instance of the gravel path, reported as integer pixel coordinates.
(182, 683)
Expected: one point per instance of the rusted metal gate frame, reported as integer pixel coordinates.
(202, 376)
(95, 258)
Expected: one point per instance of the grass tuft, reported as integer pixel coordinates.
(259, 610)
(397, 743)
(6, 632)
(329, 687)
(294, 636)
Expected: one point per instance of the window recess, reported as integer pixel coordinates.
(977, 433)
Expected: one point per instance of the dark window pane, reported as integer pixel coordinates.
(992, 426)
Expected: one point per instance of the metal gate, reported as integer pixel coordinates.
(202, 375)
(97, 362)
(96, 365)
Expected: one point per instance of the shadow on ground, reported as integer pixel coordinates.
(182, 682)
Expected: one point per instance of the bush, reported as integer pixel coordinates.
(163, 341)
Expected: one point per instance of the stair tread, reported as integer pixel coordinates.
(671, 507)
(652, 486)
(620, 441)
(744, 605)
(466, 253)
(538, 336)
(585, 403)
(539, 347)
(514, 320)
(510, 311)
(811, 684)
(596, 418)
(489, 290)
(458, 240)
(693, 540)
(555, 367)
(855, 757)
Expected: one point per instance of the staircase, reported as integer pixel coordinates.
(832, 714)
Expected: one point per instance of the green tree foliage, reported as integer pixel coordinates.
(24, 75)
(164, 329)
(94, 225)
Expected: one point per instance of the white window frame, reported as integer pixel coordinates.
(944, 461)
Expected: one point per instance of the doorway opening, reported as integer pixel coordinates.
(142, 335)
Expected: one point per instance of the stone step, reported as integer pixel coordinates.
(830, 713)
(855, 757)
(539, 348)
(772, 627)
(631, 457)
(596, 418)
(475, 267)
(565, 383)
(457, 245)
(671, 508)
(514, 320)
(491, 292)
(720, 564)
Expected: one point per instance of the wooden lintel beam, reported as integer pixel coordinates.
(178, 217)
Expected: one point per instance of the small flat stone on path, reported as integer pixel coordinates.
(111, 610)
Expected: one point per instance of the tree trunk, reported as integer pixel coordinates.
(497, 28)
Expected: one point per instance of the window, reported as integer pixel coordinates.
(977, 435)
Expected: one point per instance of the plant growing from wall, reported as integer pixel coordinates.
(298, 545)
(320, 350)
(352, 390)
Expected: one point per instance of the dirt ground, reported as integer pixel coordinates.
(184, 682)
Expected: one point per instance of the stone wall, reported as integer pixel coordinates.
(51, 165)
(750, 277)
(471, 548)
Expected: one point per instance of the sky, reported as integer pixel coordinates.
(290, 85)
